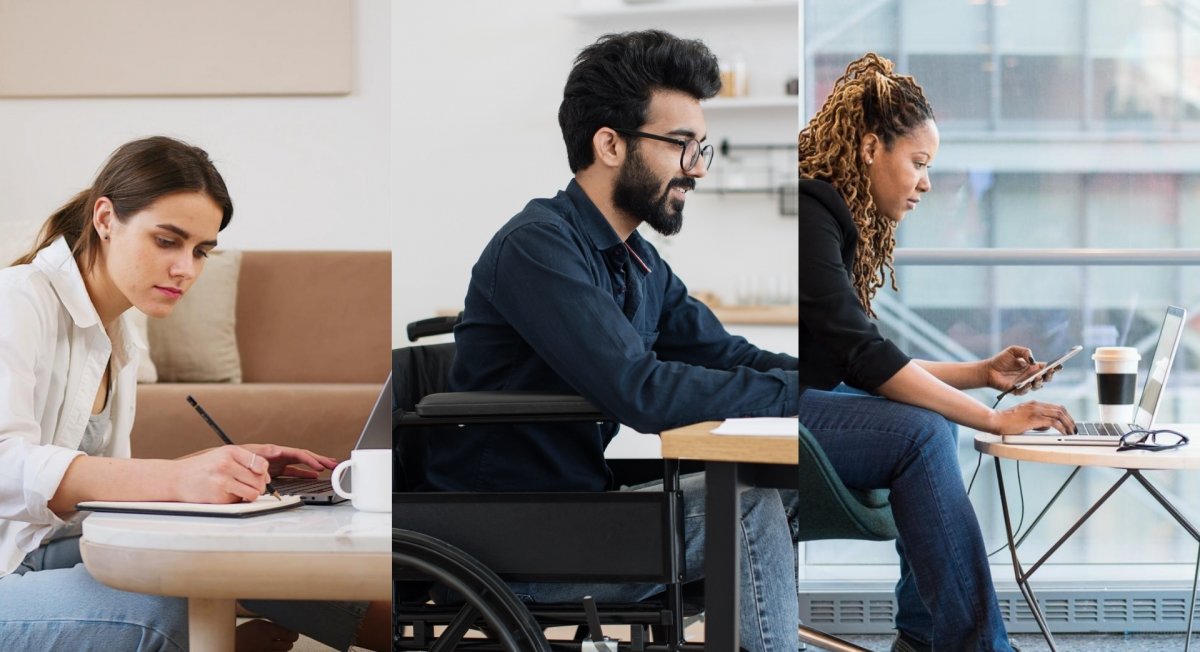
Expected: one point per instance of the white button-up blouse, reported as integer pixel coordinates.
(53, 351)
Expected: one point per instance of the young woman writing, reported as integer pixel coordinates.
(137, 238)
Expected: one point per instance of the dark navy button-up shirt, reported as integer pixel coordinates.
(558, 303)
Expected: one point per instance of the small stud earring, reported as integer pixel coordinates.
(870, 161)
(106, 236)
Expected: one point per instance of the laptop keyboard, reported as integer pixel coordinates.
(297, 486)
(1100, 429)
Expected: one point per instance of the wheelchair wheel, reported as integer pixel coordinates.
(485, 596)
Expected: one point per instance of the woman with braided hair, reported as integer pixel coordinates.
(864, 164)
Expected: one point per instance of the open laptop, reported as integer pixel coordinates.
(1109, 434)
(376, 434)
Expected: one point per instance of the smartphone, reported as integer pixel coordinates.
(1053, 365)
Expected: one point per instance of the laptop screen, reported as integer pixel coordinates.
(377, 433)
(1160, 366)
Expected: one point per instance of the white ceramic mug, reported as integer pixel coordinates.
(372, 479)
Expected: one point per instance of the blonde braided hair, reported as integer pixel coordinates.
(868, 99)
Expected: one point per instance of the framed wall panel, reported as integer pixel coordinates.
(122, 48)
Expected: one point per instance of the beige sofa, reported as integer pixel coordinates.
(313, 331)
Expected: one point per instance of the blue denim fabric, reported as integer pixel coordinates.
(769, 606)
(557, 303)
(912, 617)
(51, 602)
(876, 443)
(65, 609)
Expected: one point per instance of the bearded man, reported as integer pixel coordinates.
(569, 298)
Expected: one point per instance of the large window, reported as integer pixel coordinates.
(1065, 125)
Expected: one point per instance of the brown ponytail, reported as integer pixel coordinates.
(868, 99)
(135, 176)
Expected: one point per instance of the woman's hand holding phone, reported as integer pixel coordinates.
(1006, 368)
(1047, 370)
(1013, 375)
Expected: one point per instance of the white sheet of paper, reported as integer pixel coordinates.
(761, 427)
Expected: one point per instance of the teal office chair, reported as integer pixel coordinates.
(830, 510)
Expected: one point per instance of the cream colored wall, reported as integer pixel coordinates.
(305, 172)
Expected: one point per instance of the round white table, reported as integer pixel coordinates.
(308, 553)
(1132, 462)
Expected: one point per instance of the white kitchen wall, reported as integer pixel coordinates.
(475, 136)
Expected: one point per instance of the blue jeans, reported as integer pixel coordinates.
(51, 602)
(769, 607)
(876, 443)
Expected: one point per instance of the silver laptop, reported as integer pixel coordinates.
(1093, 433)
(377, 433)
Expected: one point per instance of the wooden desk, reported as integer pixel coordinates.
(732, 464)
(310, 553)
(1132, 462)
(696, 442)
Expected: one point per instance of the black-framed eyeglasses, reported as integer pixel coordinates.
(1151, 440)
(692, 149)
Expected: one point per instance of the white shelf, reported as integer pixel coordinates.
(617, 9)
(769, 102)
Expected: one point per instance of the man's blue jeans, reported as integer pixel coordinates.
(945, 594)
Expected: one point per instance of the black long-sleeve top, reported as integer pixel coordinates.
(838, 341)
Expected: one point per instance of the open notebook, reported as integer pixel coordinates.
(264, 505)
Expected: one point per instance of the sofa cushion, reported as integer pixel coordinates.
(315, 316)
(324, 418)
(197, 342)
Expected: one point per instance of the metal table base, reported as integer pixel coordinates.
(1022, 575)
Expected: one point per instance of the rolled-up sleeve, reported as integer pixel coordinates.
(30, 471)
(549, 296)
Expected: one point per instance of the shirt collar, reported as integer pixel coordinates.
(58, 263)
(600, 232)
(128, 338)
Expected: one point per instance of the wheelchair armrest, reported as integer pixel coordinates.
(432, 326)
(506, 404)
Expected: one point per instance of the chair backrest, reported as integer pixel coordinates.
(831, 510)
(416, 372)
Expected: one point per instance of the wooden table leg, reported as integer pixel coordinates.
(211, 624)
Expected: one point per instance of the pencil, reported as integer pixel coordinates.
(224, 437)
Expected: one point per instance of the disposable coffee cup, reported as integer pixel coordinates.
(1116, 379)
(371, 481)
